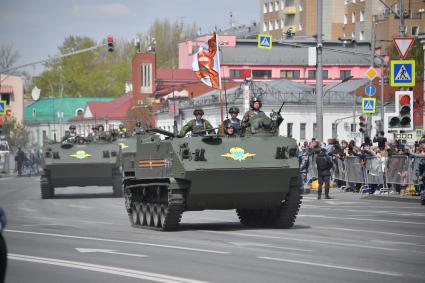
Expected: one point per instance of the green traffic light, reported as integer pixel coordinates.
(394, 121)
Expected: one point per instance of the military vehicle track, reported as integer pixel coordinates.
(154, 206)
(47, 190)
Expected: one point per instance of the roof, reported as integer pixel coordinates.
(45, 109)
(113, 110)
(277, 91)
(281, 54)
(175, 74)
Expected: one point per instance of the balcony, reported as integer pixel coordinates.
(291, 10)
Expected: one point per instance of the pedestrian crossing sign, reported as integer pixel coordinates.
(265, 41)
(2, 107)
(368, 105)
(402, 73)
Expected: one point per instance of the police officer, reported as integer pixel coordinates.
(71, 135)
(196, 125)
(233, 120)
(324, 165)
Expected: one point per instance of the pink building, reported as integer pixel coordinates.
(287, 59)
(12, 91)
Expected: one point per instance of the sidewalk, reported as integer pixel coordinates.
(394, 197)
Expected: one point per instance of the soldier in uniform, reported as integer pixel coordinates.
(101, 134)
(196, 125)
(122, 132)
(233, 120)
(71, 135)
(256, 120)
(230, 130)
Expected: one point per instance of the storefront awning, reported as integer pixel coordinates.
(6, 89)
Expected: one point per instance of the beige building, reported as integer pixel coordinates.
(12, 91)
(277, 16)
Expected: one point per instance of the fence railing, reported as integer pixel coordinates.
(397, 169)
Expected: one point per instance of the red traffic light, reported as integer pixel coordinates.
(110, 43)
(110, 39)
(362, 118)
(405, 99)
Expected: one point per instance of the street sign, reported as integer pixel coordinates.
(368, 105)
(265, 41)
(418, 133)
(371, 73)
(403, 45)
(402, 73)
(2, 107)
(370, 90)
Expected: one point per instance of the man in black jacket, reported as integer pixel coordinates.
(324, 165)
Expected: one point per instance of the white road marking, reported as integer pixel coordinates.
(245, 244)
(368, 231)
(362, 219)
(398, 243)
(82, 250)
(385, 212)
(118, 241)
(388, 273)
(156, 277)
(363, 246)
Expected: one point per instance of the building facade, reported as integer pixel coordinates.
(12, 91)
(278, 16)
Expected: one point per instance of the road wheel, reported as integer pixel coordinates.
(143, 214)
(157, 215)
(47, 190)
(289, 208)
(149, 214)
(162, 213)
(134, 216)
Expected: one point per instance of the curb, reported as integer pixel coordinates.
(394, 198)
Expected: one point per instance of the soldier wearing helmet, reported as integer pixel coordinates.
(70, 136)
(234, 121)
(256, 121)
(230, 130)
(196, 125)
(122, 132)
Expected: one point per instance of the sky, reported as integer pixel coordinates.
(36, 28)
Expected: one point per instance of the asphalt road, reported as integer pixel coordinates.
(84, 236)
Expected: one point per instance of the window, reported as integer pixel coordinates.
(271, 7)
(290, 74)
(79, 112)
(334, 130)
(282, 23)
(344, 74)
(312, 74)
(264, 74)
(345, 19)
(353, 35)
(235, 73)
(276, 25)
(300, 7)
(289, 130)
(353, 17)
(302, 131)
(6, 97)
(276, 6)
(34, 112)
(361, 36)
(146, 77)
(270, 25)
(265, 26)
(362, 16)
(265, 7)
(415, 30)
(282, 4)
(314, 130)
(300, 27)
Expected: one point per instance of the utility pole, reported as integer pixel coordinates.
(319, 73)
(401, 15)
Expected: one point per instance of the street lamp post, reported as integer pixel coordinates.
(319, 73)
(421, 37)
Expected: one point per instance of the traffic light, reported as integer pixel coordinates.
(403, 118)
(110, 42)
(362, 124)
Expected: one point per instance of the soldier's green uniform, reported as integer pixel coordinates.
(70, 136)
(256, 121)
(196, 125)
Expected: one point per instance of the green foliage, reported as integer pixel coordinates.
(167, 37)
(16, 134)
(416, 53)
(96, 73)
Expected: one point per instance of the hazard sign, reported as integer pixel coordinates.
(403, 73)
(265, 41)
(2, 107)
(368, 105)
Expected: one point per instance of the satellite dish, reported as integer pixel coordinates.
(35, 93)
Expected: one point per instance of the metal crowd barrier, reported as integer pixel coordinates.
(397, 169)
(4, 162)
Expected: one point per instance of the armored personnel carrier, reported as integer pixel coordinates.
(257, 175)
(82, 164)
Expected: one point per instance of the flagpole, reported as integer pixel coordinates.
(221, 96)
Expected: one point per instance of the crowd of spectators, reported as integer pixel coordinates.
(379, 147)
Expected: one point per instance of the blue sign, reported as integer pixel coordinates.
(265, 41)
(368, 105)
(370, 90)
(402, 73)
(2, 107)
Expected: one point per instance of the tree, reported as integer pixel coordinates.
(8, 56)
(16, 133)
(96, 73)
(416, 53)
(167, 36)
